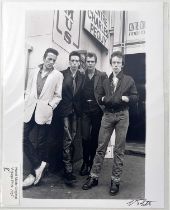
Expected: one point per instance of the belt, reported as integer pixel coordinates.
(90, 101)
(114, 110)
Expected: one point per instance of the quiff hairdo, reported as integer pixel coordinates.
(74, 53)
(90, 55)
(50, 50)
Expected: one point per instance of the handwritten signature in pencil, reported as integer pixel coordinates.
(140, 202)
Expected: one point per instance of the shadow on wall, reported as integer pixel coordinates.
(55, 144)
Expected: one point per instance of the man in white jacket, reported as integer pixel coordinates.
(43, 94)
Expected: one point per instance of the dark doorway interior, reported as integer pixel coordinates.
(135, 67)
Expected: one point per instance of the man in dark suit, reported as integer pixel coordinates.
(116, 94)
(70, 109)
(91, 112)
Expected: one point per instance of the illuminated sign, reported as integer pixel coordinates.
(66, 29)
(96, 24)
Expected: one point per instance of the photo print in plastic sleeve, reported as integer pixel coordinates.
(83, 105)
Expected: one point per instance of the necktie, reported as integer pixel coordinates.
(74, 84)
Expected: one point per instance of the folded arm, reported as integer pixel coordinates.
(115, 100)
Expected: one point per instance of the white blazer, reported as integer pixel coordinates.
(50, 94)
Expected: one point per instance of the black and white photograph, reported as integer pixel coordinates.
(87, 113)
(80, 122)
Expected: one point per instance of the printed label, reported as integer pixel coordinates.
(10, 185)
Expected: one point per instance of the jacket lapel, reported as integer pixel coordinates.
(46, 84)
(120, 76)
(96, 78)
(78, 82)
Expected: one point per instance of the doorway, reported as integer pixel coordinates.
(135, 66)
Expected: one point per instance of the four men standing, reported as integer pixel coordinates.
(86, 96)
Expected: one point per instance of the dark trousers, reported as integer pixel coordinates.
(90, 123)
(70, 130)
(39, 152)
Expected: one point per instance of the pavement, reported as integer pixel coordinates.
(132, 184)
(135, 149)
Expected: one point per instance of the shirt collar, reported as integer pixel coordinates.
(95, 72)
(119, 75)
(41, 67)
(71, 72)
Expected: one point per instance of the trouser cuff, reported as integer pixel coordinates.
(115, 179)
(94, 175)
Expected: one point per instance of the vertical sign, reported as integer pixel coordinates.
(66, 29)
(96, 23)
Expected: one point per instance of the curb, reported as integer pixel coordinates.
(135, 152)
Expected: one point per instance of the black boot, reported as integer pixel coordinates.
(114, 188)
(84, 169)
(69, 178)
(90, 183)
